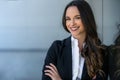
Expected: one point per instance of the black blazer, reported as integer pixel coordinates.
(60, 54)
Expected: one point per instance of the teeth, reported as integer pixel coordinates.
(74, 28)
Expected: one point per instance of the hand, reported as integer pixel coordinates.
(52, 72)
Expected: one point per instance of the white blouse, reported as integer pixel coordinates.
(77, 60)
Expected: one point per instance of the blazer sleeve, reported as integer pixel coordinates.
(51, 57)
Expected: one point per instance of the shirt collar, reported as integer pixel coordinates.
(75, 42)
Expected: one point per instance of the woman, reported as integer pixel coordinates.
(80, 56)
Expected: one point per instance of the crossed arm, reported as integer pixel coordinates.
(52, 72)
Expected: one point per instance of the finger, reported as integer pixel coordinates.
(48, 74)
(52, 74)
(49, 71)
(53, 66)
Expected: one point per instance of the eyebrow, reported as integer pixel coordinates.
(77, 15)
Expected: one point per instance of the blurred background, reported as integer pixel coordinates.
(28, 28)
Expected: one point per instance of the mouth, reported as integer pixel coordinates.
(74, 28)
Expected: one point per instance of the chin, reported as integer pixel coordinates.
(74, 35)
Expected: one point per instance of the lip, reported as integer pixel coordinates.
(74, 28)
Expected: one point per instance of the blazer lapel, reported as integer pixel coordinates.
(68, 59)
(85, 75)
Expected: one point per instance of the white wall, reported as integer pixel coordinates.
(30, 23)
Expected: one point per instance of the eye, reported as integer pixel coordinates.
(77, 17)
(67, 19)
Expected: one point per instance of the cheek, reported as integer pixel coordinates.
(79, 23)
(67, 25)
(82, 25)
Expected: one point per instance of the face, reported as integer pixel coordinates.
(73, 22)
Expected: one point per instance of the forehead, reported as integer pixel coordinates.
(72, 10)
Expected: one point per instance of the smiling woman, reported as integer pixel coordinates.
(80, 56)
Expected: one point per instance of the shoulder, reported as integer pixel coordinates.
(60, 43)
(55, 49)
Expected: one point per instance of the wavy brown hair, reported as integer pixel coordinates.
(92, 51)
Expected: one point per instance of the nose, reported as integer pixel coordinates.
(72, 22)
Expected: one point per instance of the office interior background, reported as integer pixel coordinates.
(28, 27)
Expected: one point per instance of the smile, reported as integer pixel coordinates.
(74, 28)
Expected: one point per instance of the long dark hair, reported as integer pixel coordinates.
(92, 55)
